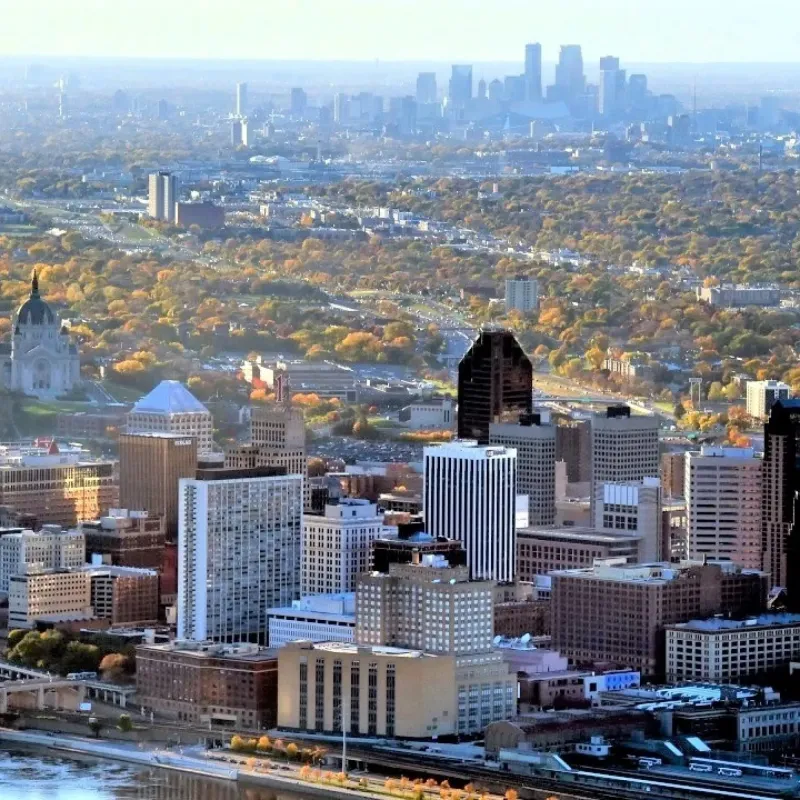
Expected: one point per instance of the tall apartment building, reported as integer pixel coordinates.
(60, 487)
(23, 552)
(762, 395)
(426, 87)
(624, 446)
(172, 408)
(50, 595)
(617, 613)
(723, 505)
(127, 538)
(469, 495)
(780, 503)
(337, 545)
(163, 192)
(522, 294)
(495, 383)
(731, 651)
(239, 534)
(535, 443)
(150, 467)
(632, 508)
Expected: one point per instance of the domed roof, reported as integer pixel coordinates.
(34, 311)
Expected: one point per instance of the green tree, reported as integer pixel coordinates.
(125, 724)
(95, 726)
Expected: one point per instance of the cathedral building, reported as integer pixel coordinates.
(42, 361)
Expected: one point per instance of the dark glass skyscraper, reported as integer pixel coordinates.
(780, 508)
(495, 381)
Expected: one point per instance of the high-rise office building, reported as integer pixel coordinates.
(533, 73)
(570, 80)
(150, 468)
(495, 382)
(673, 474)
(633, 509)
(617, 614)
(469, 495)
(609, 97)
(460, 88)
(426, 87)
(495, 91)
(337, 545)
(534, 439)
(237, 132)
(762, 395)
(481, 89)
(341, 108)
(241, 99)
(522, 294)
(514, 88)
(624, 446)
(574, 448)
(780, 502)
(238, 551)
(162, 195)
(172, 408)
(128, 538)
(298, 102)
(723, 505)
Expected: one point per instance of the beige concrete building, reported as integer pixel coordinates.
(534, 439)
(544, 550)
(22, 552)
(617, 613)
(633, 508)
(337, 545)
(47, 594)
(673, 471)
(624, 446)
(723, 505)
(762, 395)
(427, 606)
(172, 408)
(378, 691)
(729, 651)
(150, 467)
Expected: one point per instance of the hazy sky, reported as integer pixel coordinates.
(440, 30)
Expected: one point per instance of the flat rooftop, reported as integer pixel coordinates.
(589, 535)
(722, 625)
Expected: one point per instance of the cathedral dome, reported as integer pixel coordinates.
(34, 311)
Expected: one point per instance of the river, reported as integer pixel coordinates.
(30, 775)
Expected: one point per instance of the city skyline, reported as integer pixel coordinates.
(715, 31)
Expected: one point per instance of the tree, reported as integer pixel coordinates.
(511, 794)
(125, 724)
(679, 410)
(113, 666)
(15, 637)
(95, 726)
(264, 744)
(292, 750)
(237, 743)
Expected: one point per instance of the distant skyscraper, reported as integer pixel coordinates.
(460, 90)
(522, 294)
(341, 108)
(469, 495)
(624, 446)
(496, 91)
(298, 102)
(514, 88)
(533, 73)
(237, 133)
(637, 91)
(163, 190)
(481, 89)
(238, 552)
(780, 504)
(120, 102)
(241, 99)
(495, 380)
(570, 80)
(609, 99)
(426, 87)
